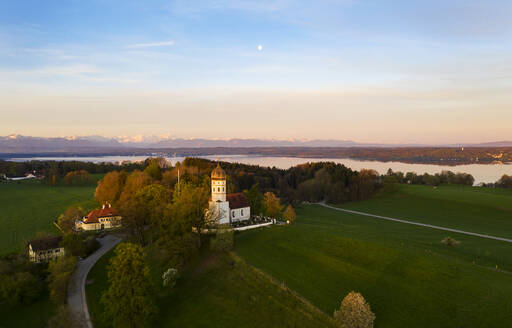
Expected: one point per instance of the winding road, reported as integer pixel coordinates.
(76, 291)
(416, 223)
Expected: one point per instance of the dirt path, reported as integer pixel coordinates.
(76, 291)
(417, 224)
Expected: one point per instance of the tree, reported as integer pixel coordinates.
(153, 170)
(81, 177)
(19, 288)
(354, 312)
(60, 272)
(128, 301)
(129, 206)
(255, 198)
(109, 188)
(67, 219)
(273, 205)
(289, 214)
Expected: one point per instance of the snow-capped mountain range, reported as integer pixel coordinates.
(27, 144)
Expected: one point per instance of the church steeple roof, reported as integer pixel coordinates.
(218, 173)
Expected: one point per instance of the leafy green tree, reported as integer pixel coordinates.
(128, 301)
(354, 312)
(273, 205)
(289, 214)
(74, 244)
(19, 288)
(154, 171)
(60, 271)
(256, 199)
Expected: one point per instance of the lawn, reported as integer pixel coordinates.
(219, 291)
(29, 207)
(406, 274)
(474, 209)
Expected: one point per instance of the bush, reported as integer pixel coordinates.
(170, 277)
(354, 312)
(223, 240)
(450, 242)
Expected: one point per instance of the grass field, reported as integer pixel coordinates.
(481, 210)
(219, 291)
(29, 207)
(406, 274)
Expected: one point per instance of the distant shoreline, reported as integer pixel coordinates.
(443, 156)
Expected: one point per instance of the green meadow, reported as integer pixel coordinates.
(28, 207)
(405, 273)
(218, 291)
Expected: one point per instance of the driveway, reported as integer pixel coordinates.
(76, 290)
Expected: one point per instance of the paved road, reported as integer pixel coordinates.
(417, 224)
(76, 290)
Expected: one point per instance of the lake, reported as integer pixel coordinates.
(481, 172)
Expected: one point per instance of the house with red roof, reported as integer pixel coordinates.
(99, 219)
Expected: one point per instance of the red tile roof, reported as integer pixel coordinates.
(237, 200)
(93, 216)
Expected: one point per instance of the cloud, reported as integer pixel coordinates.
(152, 44)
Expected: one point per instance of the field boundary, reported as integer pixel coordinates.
(417, 223)
(281, 285)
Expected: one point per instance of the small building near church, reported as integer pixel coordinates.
(100, 219)
(45, 249)
(229, 208)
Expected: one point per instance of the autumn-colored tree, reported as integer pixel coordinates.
(289, 214)
(109, 188)
(273, 205)
(129, 302)
(76, 178)
(129, 207)
(354, 312)
(60, 272)
(67, 220)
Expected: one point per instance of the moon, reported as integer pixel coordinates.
(260, 47)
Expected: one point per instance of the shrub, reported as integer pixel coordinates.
(450, 242)
(170, 277)
(354, 312)
(60, 274)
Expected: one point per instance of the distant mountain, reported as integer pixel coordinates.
(198, 143)
(25, 144)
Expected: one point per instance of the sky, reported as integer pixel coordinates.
(404, 71)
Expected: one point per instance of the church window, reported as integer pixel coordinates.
(222, 188)
(218, 189)
(233, 213)
(241, 212)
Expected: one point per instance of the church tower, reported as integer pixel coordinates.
(218, 184)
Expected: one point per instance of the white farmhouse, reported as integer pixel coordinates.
(100, 219)
(229, 207)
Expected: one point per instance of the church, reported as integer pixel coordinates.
(229, 207)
